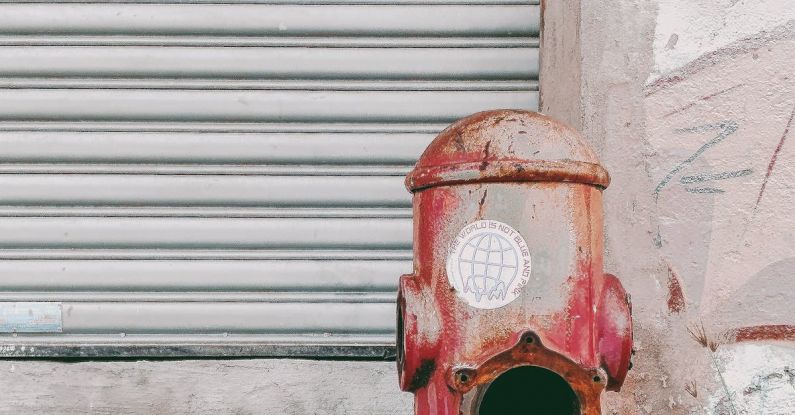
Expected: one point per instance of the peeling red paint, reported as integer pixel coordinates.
(773, 159)
(676, 297)
(461, 154)
(540, 178)
(761, 333)
(485, 162)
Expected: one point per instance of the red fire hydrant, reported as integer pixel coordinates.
(508, 304)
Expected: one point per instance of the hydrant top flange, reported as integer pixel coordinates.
(507, 146)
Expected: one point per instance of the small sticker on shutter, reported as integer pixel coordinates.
(39, 317)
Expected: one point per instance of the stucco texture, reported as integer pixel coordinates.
(690, 106)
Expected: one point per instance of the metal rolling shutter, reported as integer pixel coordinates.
(225, 177)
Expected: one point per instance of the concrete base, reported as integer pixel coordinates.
(196, 387)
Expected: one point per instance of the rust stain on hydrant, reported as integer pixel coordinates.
(508, 265)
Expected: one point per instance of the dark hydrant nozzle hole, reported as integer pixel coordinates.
(529, 390)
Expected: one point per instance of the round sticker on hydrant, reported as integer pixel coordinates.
(488, 264)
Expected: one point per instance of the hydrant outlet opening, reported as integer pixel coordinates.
(529, 390)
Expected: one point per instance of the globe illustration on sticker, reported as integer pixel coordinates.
(487, 262)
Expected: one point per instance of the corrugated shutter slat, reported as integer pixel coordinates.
(226, 178)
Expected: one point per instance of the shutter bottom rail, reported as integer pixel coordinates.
(66, 347)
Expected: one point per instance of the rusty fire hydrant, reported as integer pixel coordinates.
(508, 248)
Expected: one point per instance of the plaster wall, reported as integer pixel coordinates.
(690, 106)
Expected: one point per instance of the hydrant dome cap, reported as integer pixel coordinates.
(507, 146)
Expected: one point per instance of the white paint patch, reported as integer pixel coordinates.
(488, 264)
(687, 29)
(759, 377)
